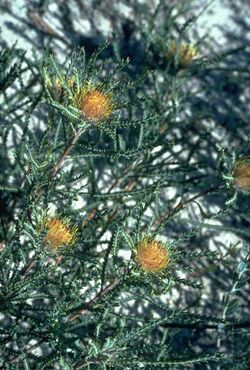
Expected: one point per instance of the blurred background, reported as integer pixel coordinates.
(219, 91)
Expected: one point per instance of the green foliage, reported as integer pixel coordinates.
(156, 166)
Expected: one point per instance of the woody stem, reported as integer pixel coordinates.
(66, 152)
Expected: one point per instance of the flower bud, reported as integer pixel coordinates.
(184, 53)
(57, 89)
(241, 174)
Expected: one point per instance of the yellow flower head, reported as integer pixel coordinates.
(94, 104)
(59, 233)
(185, 53)
(241, 174)
(151, 255)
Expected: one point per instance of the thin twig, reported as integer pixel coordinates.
(200, 326)
(66, 152)
(182, 204)
(100, 295)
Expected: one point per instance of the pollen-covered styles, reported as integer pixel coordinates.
(59, 233)
(152, 255)
(95, 104)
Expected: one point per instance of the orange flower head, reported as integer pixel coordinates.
(95, 104)
(59, 233)
(152, 256)
(185, 53)
(241, 174)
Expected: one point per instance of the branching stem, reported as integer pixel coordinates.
(94, 300)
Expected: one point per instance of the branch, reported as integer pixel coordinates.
(182, 204)
(66, 151)
(243, 325)
(99, 296)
